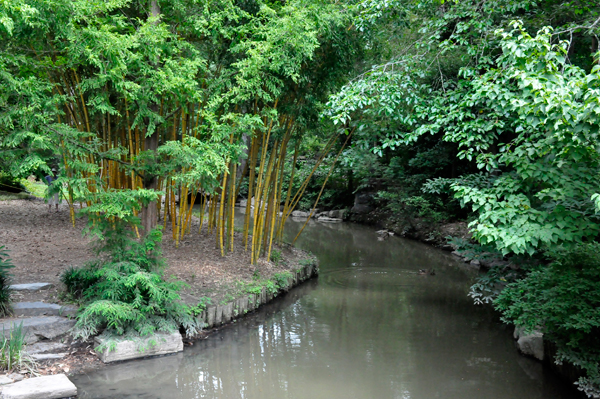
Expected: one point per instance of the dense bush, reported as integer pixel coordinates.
(5, 264)
(124, 291)
(563, 300)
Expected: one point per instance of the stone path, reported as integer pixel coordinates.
(30, 287)
(40, 322)
(24, 309)
(46, 387)
(36, 328)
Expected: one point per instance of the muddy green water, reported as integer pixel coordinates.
(369, 327)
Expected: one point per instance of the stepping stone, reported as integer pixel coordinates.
(47, 327)
(43, 309)
(46, 356)
(158, 344)
(5, 380)
(30, 287)
(43, 347)
(46, 387)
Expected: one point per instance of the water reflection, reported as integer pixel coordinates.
(370, 327)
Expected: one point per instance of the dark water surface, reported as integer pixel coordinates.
(369, 327)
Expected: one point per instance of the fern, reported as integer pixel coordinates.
(124, 291)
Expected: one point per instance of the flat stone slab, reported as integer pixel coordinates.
(31, 287)
(46, 356)
(46, 387)
(5, 380)
(46, 327)
(158, 344)
(329, 220)
(42, 309)
(44, 347)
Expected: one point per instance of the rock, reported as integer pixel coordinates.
(43, 347)
(158, 344)
(46, 356)
(361, 209)
(337, 214)
(530, 344)
(362, 203)
(243, 203)
(46, 387)
(16, 377)
(330, 220)
(45, 327)
(300, 214)
(4, 379)
(43, 309)
(382, 233)
(475, 263)
(30, 287)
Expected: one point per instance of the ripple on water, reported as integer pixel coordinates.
(368, 277)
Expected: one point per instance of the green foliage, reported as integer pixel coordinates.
(201, 306)
(415, 206)
(563, 300)
(13, 357)
(500, 99)
(5, 291)
(276, 256)
(124, 291)
(282, 280)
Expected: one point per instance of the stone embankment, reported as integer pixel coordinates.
(118, 349)
(42, 322)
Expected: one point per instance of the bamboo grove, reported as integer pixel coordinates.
(150, 108)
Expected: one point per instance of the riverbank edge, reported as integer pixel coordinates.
(222, 314)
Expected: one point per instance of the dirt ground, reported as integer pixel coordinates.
(43, 244)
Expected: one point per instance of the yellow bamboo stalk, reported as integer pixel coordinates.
(275, 202)
(263, 202)
(323, 187)
(202, 207)
(252, 176)
(302, 188)
(220, 219)
(257, 198)
(289, 192)
(232, 207)
(173, 212)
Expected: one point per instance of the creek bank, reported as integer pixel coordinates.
(118, 349)
(44, 244)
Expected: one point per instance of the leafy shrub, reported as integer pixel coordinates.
(413, 206)
(124, 291)
(282, 280)
(5, 264)
(12, 355)
(276, 256)
(563, 299)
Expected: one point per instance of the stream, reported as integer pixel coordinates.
(369, 327)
